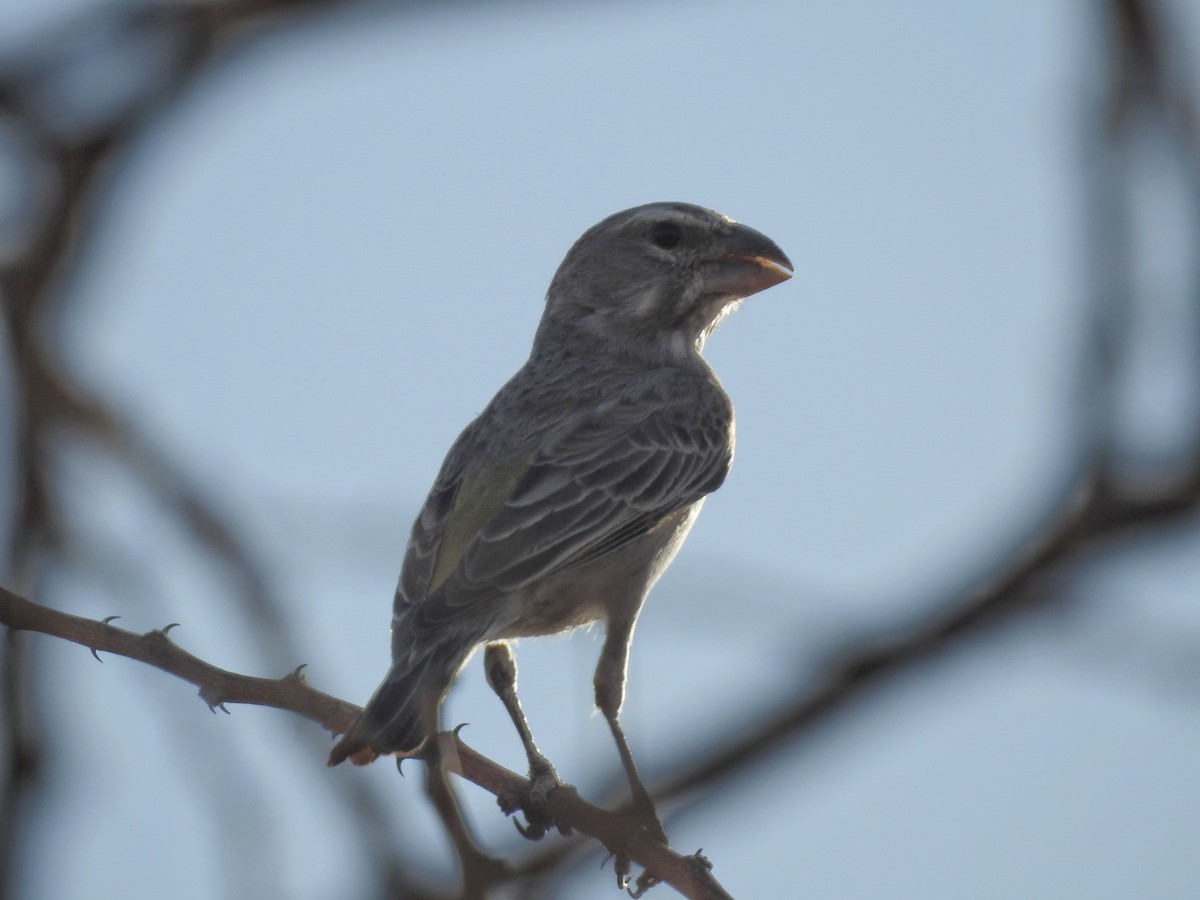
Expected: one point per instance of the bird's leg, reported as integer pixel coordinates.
(643, 806)
(501, 668)
(610, 695)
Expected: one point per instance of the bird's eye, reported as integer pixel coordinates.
(665, 235)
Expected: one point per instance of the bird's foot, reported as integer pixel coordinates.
(645, 881)
(623, 867)
(543, 781)
(642, 817)
(648, 879)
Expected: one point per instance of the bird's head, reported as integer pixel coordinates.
(663, 273)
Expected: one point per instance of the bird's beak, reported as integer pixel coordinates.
(751, 262)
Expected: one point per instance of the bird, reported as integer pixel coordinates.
(566, 498)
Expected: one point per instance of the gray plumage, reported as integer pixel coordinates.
(565, 499)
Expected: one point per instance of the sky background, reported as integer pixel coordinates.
(324, 260)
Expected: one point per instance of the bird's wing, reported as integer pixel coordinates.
(600, 480)
(462, 497)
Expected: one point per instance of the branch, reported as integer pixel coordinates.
(687, 874)
(217, 686)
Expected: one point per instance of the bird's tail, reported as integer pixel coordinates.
(401, 713)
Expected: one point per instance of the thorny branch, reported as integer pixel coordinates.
(218, 687)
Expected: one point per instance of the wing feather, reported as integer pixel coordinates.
(596, 481)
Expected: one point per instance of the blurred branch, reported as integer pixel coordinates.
(688, 874)
(1105, 513)
(74, 132)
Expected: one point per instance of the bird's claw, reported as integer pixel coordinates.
(645, 881)
(536, 829)
(648, 879)
(543, 781)
(623, 867)
(644, 817)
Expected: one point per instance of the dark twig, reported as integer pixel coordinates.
(218, 687)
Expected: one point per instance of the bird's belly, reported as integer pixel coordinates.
(613, 585)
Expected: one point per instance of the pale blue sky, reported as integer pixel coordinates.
(328, 257)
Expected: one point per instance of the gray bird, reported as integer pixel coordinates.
(567, 497)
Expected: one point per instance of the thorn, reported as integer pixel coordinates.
(107, 620)
(165, 631)
(458, 728)
(296, 672)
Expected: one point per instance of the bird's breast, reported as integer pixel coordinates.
(614, 585)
